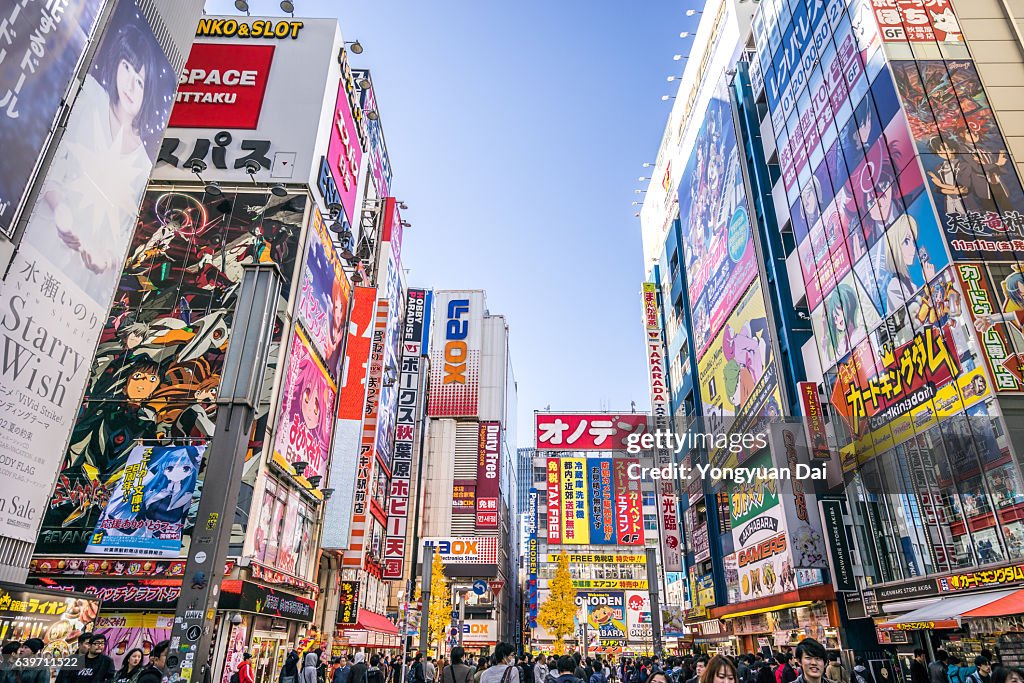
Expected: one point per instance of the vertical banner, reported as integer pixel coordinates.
(629, 514)
(602, 504)
(575, 521)
(324, 295)
(488, 471)
(354, 556)
(533, 559)
(554, 496)
(400, 491)
(815, 417)
(455, 360)
(840, 557)
(348, 603)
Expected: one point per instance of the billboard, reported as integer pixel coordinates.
(344, 153)
(222, 86)
(379, 164)
(994, 294)
(553, 476)
(488, 475)
(638, 615)
(348, 603)
(464, 550)
(604, 612)
(739, 375)
(575, 516)
(57, 620)
(161, 349)
(759, 535)
(587, 431)
(43, 44)
(719, 249)
(324, 295)
(601, 498)
(59, 283)
(236, 75)
(305, 418)
(629, 513)
(455, 358)
(915, 22)
(347, 429)
(149, 504)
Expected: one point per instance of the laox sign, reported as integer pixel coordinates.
(456, 351)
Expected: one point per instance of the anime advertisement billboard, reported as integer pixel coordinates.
(148, 507)
(994, 295)
(605, 613)
(324, 296)
(55, 297)
(306, 418)
(972, 181)
(738, 375)
(720, 259)
(157, 368)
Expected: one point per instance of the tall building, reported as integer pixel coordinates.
(871, 150)
(79, 145)
(468, 474)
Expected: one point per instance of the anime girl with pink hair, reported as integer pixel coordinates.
(311, 409)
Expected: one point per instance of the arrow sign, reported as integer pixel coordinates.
(479, 587)
(496, 586)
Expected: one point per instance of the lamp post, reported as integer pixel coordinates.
(240, 387)
(652, 588)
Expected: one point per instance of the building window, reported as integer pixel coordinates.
(651, 522)
(650, 499)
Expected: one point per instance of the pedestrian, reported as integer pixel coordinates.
(540, 669)
(290, 669)
(698, 670)
(918, 667)
(786, 673)
(810, 657)
(374, 674)
(501, 670)
(719, 670)
(156, 670)
(342, 673)
(9, 652)
(245, 672)
(310, 662)
(358, 674)
(37, 674)
(598, 676)
(984, 672)
(658, 677)
(321, 666)
(483, 665)
(429, 670)
(97, 667)
(566, 667)
(836, 672)
(131, 667)
(458, 671)
(1005, 674)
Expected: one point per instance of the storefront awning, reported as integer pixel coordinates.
(944, 612)
(1000, 607)
(371, 621)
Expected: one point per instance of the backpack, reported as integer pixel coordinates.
(234, 678)
(598, 677)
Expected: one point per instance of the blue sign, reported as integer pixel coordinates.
(479, 587)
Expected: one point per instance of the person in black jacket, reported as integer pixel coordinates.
(96, 667)
(156, 670)
(918, 669)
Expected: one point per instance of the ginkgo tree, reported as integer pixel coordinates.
(440, 603)
(557, 614)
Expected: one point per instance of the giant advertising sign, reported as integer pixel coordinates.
(588, 431)
(605, 613)
(324, 295)
(629, 514)
(488, 475)
(638, 615)
(996, 312)
(601, 497)
(239, 108)
(575, 517)
(553, 493)
(347, 430)
(377, 152)
(464, 550)
(455, 358)
(158, 364)
(759, 535)
(55, 618)
(344, 154)
(914, 21)
(54, 299)
(305, 420)
(42, 45)
(718, 242)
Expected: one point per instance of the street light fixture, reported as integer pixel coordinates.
(676, 58)
(685, 34)
(242, 6)
(691, 12)
(288, 6)
(357, 47)
(666, 98)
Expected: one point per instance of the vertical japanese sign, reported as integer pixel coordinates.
(671, 539)
(575, 520)
(348, 603)
(379, 162)
(815, 417)
(400, 493)
(41, 44)
(554, 501)
(488, 475)
(995, 299)
(629, 513)
(354, 556)
(602, 501)
(533, 558)
(345, 147)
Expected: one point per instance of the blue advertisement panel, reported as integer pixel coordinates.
(602, 502)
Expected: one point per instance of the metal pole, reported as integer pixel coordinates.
(462, 613)
(428, 562)
(240, 387)
(586, 629)
(405, 623)
(652, 588)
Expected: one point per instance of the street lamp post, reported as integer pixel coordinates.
(239, 392)
(652, 588)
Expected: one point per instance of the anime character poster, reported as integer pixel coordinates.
(306, 416)
(132, 631)
(324, 296)
(996, 295)
(719, 247)
(148, 506)
(605, 613)
(156, 371)
(972, 181)
(739, 377)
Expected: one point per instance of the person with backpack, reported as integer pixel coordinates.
(540, 669)
(374, 674)
(598, 675)
(938, 670)
(458, 671)
(836, 672)
(502, 669)
(566, 670)
(984, 672)
(156, 670)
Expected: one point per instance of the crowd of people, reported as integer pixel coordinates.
(92, 663)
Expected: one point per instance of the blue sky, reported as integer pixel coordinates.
(517, 132)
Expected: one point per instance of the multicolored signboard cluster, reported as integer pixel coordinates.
(593, 501)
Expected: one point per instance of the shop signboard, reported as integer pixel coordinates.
(455, 358)
(55, 617)
(464, 550)
(488, 473)
(588, 431)
(604, 612)
(638, 615)
(348, 603)
(575, 517)
(840, 554)
(601, 499)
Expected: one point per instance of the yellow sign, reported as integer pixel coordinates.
(621, 584)
(625, 558)
(575, 512)
(257, 28)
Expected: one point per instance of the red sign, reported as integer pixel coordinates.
(357, 354)
(629, 515)
(815, 419)
(496, 586)
(554, 493)
(911, 374)
(588, 432)
(222, 86)
(488, 468)
(916, 21)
